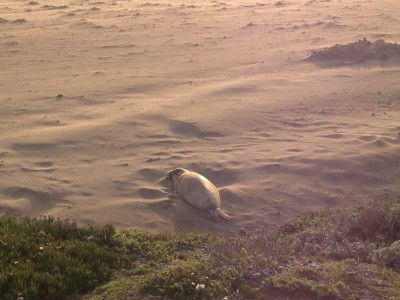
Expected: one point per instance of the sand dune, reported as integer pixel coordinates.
(282, 104)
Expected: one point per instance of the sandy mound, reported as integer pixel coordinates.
(356, 53)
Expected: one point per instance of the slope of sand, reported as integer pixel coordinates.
(100, 99)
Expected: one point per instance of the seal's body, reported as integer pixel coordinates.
(198, 191)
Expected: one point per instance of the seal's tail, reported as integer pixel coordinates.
(220, 214)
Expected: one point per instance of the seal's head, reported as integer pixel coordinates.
(174, 175)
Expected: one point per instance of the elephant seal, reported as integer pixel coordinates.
(198, 191)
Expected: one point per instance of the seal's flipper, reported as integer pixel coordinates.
(219, 214)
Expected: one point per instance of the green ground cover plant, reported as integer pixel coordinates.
(44, 258)
(342, 254)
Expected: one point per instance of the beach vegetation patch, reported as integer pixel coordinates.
(336, 254)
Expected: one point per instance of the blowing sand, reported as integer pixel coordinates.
(100, 99)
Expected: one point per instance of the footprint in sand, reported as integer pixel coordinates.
(333, 136)
(379, 142)
(32, 147)
(148, 193)
(367, 138)
(151, 175)
(182, 128)
(25, 200)
(40, 166)
(220, 177)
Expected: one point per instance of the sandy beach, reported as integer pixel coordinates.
(99, 100)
